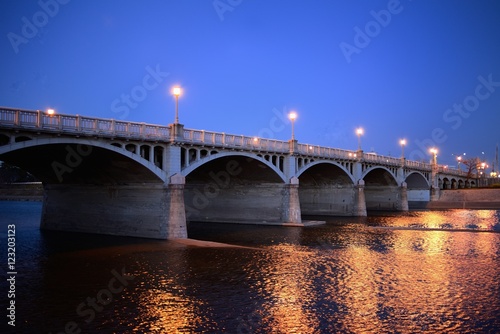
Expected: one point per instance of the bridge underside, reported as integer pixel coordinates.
(418, 191)
(325, 189)
(382, 193)
(236, 189)
(94, 190)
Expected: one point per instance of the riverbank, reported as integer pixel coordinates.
(474, 198)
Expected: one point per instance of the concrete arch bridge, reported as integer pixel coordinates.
(135, 179)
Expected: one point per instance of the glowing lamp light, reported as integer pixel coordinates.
(51, 111)
(402, 142)
(359, 133)
(176, 91)
(292, 116)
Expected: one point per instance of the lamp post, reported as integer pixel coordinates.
(434, 152)
(402, 142)
(51, 113)
(359, 133)
(434, 172)
(292, 116)
(459, 160)
(176, 91)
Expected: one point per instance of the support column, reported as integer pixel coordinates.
(186, 157)
(291, 204)
(434, 179)
(357, 166)
(434, 193)
(164, 164)
(292, 146)
(176, 225)
(176, 132)
(403, 204)
(172, 160)
(289, 166)
(152, 154)
(360, 206)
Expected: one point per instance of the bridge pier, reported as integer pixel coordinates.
(434, 194)
(177, 211)
(360, 205)
(403, 198)
(290, 212)
(138, 210)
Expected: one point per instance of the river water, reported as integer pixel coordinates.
(419, 272)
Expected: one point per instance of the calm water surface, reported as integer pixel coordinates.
(421, 272)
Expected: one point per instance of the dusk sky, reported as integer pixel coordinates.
(427, 71)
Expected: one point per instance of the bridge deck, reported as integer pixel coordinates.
(77, 125)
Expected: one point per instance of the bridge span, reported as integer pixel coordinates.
(135, 179)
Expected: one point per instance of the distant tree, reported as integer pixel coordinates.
(471, 167)
(10, 174)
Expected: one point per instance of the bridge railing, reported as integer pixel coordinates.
(327, 152)
(451, 171)
(75, 124)
(381, 159)
(417, 165)
(234, 141)
(82, 125)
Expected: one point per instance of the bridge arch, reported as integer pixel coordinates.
(235, 187)
(71, 148)
(380, 173)
(326, 188)
(382, 191)
(318, 162)
(418, 190)
(208, 158)
(417, 180)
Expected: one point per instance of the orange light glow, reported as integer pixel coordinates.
(176, 91)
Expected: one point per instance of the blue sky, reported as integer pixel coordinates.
(427, 71)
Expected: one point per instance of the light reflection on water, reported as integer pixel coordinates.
(479, 220)
(426, 271)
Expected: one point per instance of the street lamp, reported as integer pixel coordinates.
(292, 116)
(434, 152)
(459, 160)
(402, 142)
(51, 113)
(359, 132)
(176, 91)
